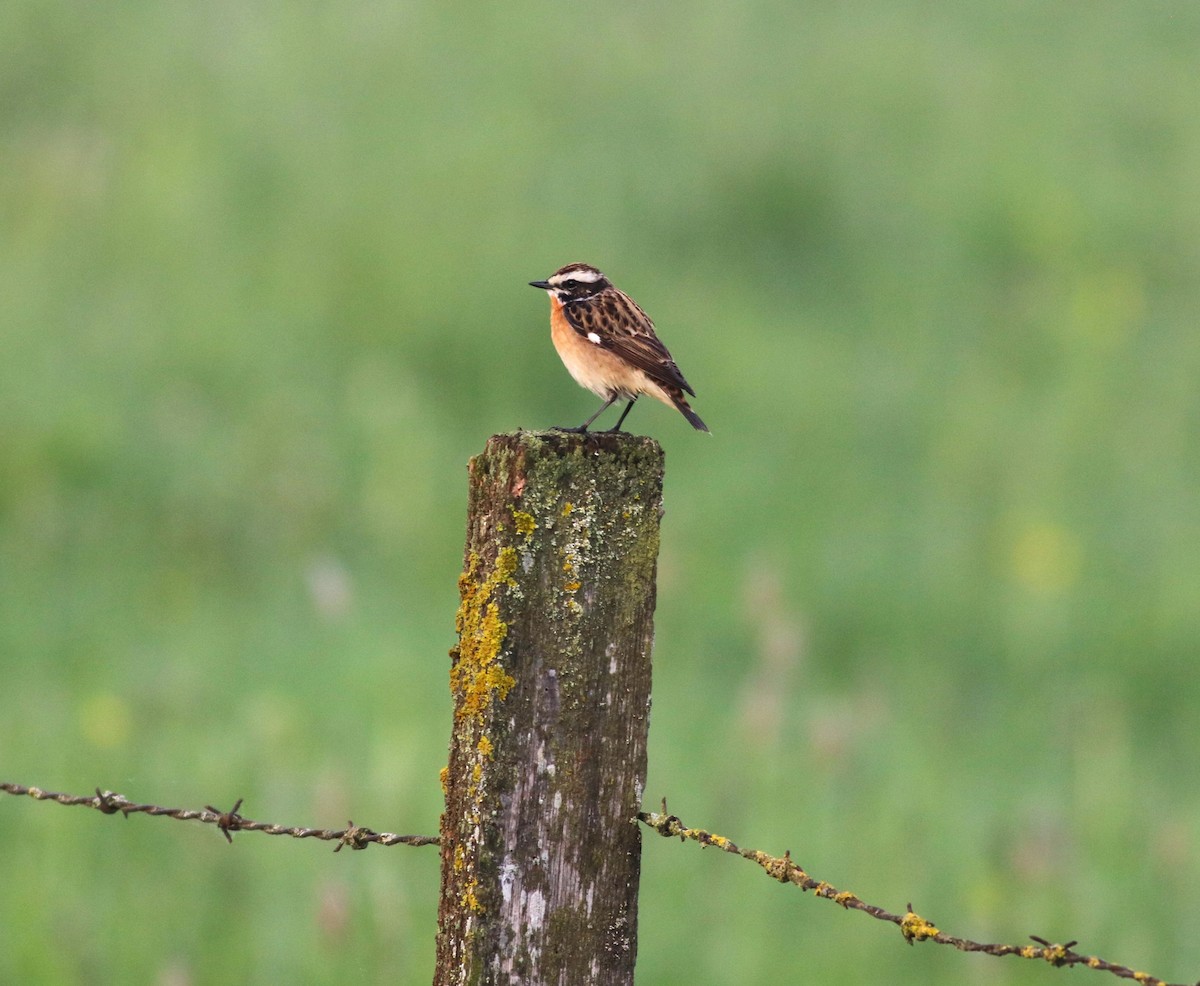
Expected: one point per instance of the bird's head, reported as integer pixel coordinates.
(574, 282)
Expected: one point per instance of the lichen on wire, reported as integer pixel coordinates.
(912, 926)
(227, 822)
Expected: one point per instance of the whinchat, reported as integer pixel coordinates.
(607, 343)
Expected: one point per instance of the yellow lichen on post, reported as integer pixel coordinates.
(525, 523)
(468, 898)
(477, 676)
(477, 680)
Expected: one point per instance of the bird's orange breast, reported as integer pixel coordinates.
(594, 367)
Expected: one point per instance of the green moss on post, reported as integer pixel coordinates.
(541, 849)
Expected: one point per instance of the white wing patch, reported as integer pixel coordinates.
(592, 337)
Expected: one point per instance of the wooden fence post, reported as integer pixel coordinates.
(541, 850)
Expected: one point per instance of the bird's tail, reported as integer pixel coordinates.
(686, 410)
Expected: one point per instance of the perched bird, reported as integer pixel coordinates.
(608, 345)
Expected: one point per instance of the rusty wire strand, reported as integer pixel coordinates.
(228, 822)
(912, 926)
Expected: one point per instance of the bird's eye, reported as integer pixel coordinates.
(571, 284)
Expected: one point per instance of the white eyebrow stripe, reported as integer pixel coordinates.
(587, 275)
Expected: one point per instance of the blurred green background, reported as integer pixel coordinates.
(929, 596)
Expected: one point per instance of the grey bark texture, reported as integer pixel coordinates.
(540, 845)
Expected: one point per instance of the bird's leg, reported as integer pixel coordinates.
(628, 408)
(584, 427)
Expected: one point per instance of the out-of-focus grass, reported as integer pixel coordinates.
(929, 596)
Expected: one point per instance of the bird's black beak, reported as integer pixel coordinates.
(544, 285)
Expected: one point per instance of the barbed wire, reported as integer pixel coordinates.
(914, 927)
(228, 822)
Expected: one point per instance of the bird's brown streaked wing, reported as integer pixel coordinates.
(627, 332)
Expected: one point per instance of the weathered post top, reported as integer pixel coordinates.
(551, 684)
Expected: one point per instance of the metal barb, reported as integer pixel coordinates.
(228, 821)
